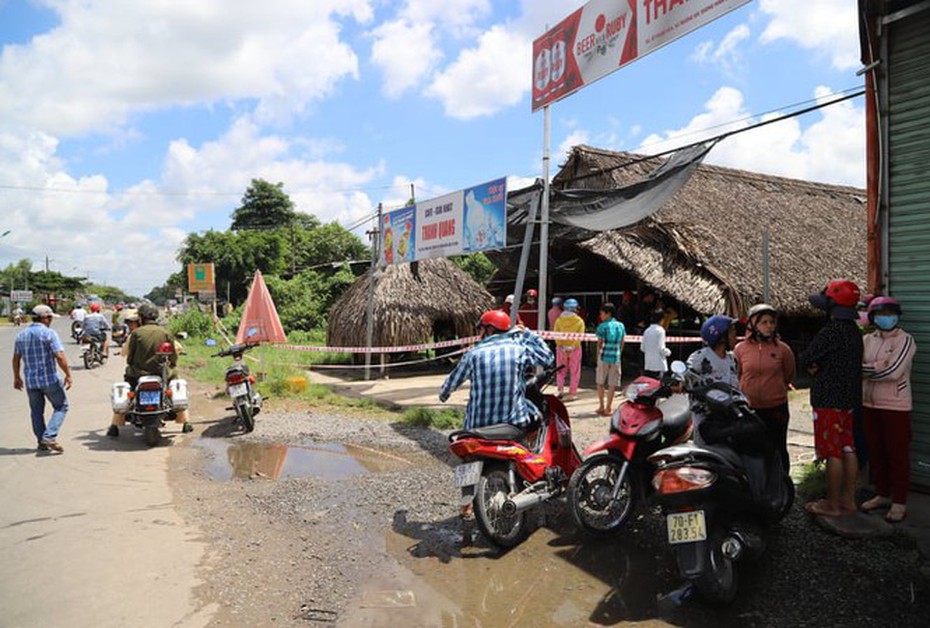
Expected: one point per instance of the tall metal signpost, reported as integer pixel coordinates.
(600, 37)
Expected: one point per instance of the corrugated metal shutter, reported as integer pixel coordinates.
(909, 208)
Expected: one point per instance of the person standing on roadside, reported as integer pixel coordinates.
(888, 353)
(834, 358)
(610, 335)
(568, 351)
(554, 312)
(38, 348)
(766, 370)
(655, 353)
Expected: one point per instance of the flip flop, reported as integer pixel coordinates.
(875, 503)
(819, 509)
(896, 514)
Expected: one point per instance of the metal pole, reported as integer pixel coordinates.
(544, 229)
(524, 259)
(765, 266)
(370, 323)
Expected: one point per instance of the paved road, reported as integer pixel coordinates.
(89, 537)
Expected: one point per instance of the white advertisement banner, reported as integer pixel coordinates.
(21, 296)
(467, 221)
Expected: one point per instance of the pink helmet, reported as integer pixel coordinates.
(883, 303)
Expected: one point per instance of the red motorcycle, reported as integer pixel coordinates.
(508, 470)
(616, 473)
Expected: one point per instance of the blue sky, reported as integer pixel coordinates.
(126, 125)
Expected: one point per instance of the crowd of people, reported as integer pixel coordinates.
(859, 362)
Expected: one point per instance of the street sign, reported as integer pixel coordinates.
(200, 277)
(21, 296)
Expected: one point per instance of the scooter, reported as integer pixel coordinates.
(720, 499)
(616, 474)
(506, 470)
(120, 334)
(240, 385)
(152, 402)
(77, 331)
(93, 352)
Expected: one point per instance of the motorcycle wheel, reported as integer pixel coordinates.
(589, 493)
(88, 360)
(492, 491)
(719, 584)
(244, 411)
(151, 435)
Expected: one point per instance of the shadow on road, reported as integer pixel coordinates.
(130, 439)
(19, 451)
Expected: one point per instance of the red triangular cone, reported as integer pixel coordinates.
(260, 322)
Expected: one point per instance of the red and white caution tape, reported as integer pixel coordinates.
(548, 335)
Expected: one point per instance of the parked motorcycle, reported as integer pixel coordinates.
(93, 352)
(720, 499)
(240, 385)
(77, 331)
(152, 403)
(120, 334)
(506, 470)
(616, 474)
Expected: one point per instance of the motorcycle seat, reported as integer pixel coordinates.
(713, 453)
(676, 415)
(501, 431)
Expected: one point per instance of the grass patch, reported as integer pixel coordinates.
(272, 367)
(812, 481)
(429, 417)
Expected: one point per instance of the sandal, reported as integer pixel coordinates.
(875, 503)
(896, 513)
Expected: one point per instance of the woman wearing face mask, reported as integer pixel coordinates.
(886, 399)
(766, 370)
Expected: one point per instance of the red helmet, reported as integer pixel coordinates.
(119, 307)
(498, 319)
(94, 307)
(532, 293)
(843, 292)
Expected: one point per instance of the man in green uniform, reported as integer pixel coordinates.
(142, 359)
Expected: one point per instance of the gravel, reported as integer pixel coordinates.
(297, 551)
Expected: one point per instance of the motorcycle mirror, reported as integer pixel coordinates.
(679, 367)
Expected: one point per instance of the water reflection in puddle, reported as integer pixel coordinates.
(330, 461)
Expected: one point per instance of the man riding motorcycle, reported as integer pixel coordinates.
(96, 326)
(142, 359)
(497, 367)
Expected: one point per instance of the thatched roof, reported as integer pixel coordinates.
(704, 246)
(409, 299)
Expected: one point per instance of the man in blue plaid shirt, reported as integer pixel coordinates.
(39, 348)
(497, 368)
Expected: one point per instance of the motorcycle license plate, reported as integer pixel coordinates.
(686, 527)
(468, 474)
(238, 390)
(149, 397)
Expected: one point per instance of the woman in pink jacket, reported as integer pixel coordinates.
(886, 400)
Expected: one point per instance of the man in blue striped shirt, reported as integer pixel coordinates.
(497, 367)
(38, 348)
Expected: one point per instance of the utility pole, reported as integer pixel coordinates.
(374, 236)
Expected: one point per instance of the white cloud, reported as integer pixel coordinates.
(405, 53)
(827, 26)
(109, 59)
(726, 55)
(830, 149)
(486, 78)
(576, 137)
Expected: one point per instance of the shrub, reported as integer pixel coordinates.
(193, 321)
(428, 417)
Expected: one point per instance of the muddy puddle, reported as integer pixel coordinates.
(330, 461)
(549, 580)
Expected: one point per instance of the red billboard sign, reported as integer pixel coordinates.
(604, 35)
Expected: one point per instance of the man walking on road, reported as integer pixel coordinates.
(38, 348)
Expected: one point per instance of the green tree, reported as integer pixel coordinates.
(327, 244)
(477, 265)
(264, 206)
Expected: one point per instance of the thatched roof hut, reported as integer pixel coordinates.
(704, 246)
(413, 302)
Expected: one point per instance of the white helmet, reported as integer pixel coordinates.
(509, 299)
